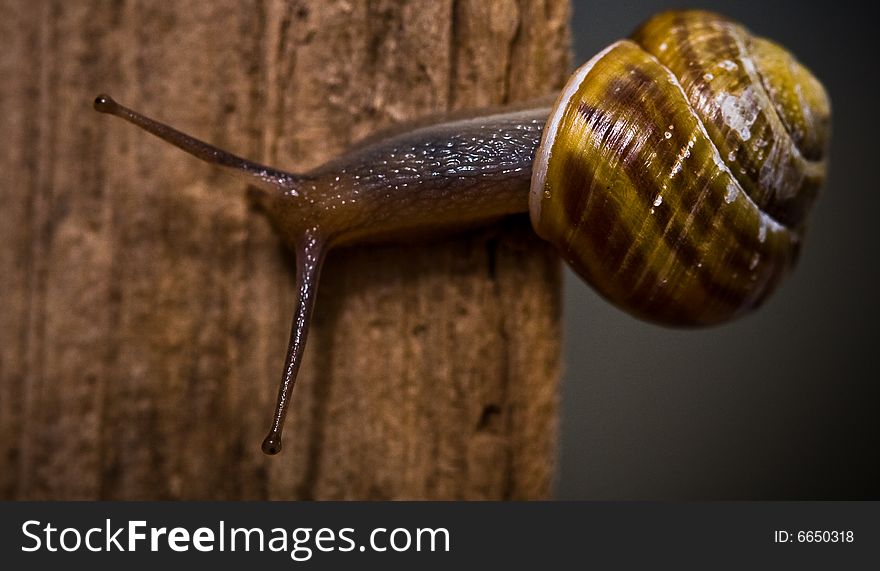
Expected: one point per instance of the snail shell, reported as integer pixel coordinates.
(676, 169)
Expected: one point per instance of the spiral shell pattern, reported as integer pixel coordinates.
(677, 168)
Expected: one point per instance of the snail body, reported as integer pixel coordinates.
(674, 173)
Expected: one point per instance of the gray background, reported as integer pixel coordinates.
(781, 404)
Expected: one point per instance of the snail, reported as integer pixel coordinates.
(674, 173)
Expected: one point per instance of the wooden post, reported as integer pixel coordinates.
(145, 304)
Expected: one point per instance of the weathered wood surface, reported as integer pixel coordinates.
(145, 304)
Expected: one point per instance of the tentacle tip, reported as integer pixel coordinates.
(272, 444)
(104, 103)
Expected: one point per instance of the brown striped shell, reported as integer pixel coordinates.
(677, 168)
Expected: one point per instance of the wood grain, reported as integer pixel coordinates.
(145, 303)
